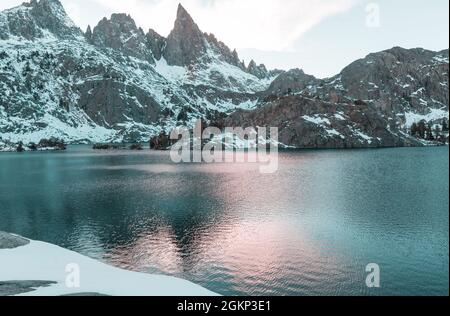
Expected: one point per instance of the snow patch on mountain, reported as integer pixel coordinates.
(85, 131)
(227, 106)
(433, 115)
(213, 72)
(176, 74)
(316, 119)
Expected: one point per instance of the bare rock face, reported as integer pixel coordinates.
(50, 15)
(223, 52)
(258, 71)
(106, 104)
(88, 34)
(19, 22)
(311, 123)
(399, 78)
(121, 33)
(292, 81)
(399, 83)
(32, 19)
(186, 43)
(155, 43)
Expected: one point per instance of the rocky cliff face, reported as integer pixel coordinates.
(116, 82)
(187, 45)
(258, 71)
(404, 85)
(37, 20)
(399, 79)
(156, 43)
(121, 34)
(292, 81)
(310, 123)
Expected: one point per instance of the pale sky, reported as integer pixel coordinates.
(320, 36)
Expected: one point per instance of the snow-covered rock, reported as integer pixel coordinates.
(113, 83)
(58, 269)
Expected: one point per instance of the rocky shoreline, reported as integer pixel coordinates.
(113, 146)
(10, 241)
(52, 144)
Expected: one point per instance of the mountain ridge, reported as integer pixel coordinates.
(116, 82)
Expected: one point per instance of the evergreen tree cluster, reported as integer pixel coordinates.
(426, 131)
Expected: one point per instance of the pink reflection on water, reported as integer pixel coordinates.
(258, 253)
(247, 242)
(158, 249)
(254, 254)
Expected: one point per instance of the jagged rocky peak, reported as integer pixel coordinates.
(118, 26)
(156, 43)
(124, 21)
(186, 43)
(258, 71)
(34, 19)
(121, 33)
(221, 50)
(19, 22)
(184, 18)
(50, 15)
(88, 33)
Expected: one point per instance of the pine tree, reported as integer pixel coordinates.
(444, 125)
(429, 134)
(27, 68)
(437, 132)
(88, 33)
(422, 129)
(20, 147)
(414, 129)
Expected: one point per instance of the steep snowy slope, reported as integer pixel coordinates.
(108, 84)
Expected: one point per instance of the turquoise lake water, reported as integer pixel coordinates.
(309, 229)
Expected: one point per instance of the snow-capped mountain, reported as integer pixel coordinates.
(398, 82)
(113, 82)
(37, 20)
(117, 82)
(373, 102)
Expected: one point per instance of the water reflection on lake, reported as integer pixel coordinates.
(309, 229)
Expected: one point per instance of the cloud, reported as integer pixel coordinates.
(74, 11)
(260, 24)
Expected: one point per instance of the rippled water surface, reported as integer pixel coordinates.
(309, 229)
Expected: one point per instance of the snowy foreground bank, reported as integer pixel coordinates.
(33, 268)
